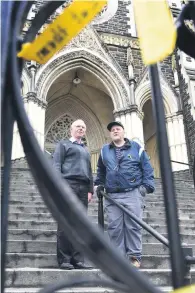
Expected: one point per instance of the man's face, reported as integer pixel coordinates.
(78, 129)
(117, 133)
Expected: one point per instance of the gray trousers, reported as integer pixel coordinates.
(122, 230)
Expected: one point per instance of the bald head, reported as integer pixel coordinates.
(78, 129)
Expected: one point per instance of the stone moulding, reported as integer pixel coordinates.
(84, 58)
(117, 40)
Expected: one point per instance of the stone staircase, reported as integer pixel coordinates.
(31, 252)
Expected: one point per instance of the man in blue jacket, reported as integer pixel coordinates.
(124, 170)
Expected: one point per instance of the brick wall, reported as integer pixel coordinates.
(117, 24)
(166, 67)
(138, 64)
(189, 123)
(120, 55)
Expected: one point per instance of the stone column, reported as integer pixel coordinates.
(131, 118)
(177, 143)
(35, 110)
(130, 63)
(32, 69)
(17, 148)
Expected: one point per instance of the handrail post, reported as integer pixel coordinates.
(100, 207)
(187, 252)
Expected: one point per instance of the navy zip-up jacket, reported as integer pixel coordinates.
(132, 170)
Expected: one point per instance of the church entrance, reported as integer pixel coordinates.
(78, 94)
(150, 137)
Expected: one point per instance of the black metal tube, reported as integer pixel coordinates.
(176, 254)
(100, 212)
(181, 163)
(144, 225)
(190, 260)
(193, 171)
(188, 253)
(7, 130)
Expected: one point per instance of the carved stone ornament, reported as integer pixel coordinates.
(32, 97)
(107, 12)
(129, 56)
(122, 41)
(130, 63)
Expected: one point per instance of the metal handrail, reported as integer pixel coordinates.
(182, 163)
(187, 250)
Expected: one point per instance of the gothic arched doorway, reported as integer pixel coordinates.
(78, 94)
(150, 137)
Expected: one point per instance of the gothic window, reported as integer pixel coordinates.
(60, 129)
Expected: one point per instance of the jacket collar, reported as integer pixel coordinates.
(126, 145)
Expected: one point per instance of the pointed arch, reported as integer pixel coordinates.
(90, 61)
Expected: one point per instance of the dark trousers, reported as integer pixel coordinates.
(66, 253)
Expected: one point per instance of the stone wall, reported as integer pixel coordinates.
(120, 55)
(189, 122)
(166, 67)
(119, 23)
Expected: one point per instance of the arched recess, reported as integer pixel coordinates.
(104, 71)
(76, 110)
(174, 123)
(143, 93)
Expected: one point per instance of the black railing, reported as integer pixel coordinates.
(187, 250)
(182, 163)
(190, 165)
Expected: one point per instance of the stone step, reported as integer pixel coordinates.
(37, 200)
(48, 225)
(75, 290)
(45, 260)
(181, 213)
(18, 186)
(14, 185)
(158, 186)
(157, 212)
(48, 217)
(41, 277)
(36, 246)
(50, 235)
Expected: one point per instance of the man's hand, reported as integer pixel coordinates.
(89, 196)
(98, 190)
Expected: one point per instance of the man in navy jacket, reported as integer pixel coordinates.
(124, 170)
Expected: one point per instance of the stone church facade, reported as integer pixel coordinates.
(100, 77)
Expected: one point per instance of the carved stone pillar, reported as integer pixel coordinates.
(177, 142)
(36, 112)
(130, 62)
(32, 69)
(17, 148)
(131, 118)
(35, 109)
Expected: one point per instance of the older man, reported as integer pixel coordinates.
(72, 160)
(125, 172)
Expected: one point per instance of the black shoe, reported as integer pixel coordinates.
(82, 265)
(66, 266)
